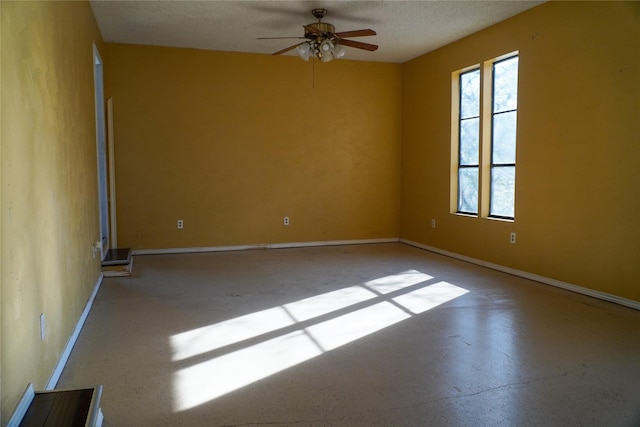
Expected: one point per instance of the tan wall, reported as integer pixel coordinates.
(231, 143)
(49, 186)
(577, 198)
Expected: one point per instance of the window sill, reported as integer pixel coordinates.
(493, 218)
(466, 215)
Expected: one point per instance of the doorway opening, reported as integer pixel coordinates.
(115, 262)
(102, 153)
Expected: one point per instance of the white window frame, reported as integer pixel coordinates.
(486, 165)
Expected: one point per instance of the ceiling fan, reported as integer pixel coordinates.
(322, 42)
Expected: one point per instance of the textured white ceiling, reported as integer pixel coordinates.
(406, 29)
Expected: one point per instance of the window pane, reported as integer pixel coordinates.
(470, 94)
(503, 183)
(505, 85)
(468, 190)
(469, 141)
(504, 138)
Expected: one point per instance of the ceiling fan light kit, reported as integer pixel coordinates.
(324, 43)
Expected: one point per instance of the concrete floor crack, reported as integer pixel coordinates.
(284, 423)
(398, 408)
(489, 389)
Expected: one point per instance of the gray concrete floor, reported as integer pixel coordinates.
(367, 335)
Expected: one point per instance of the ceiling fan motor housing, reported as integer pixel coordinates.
(323, 27)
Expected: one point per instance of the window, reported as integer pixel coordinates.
(469, 151)
(484, 138)
(503, 138)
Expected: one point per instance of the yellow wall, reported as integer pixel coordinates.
(49, 186)
(577, 198)
(231, 143)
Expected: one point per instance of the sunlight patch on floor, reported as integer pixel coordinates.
(429, 297)
(395, 282)
(375, 305)
(326, 303)
(342, 330)
(212, 337)
(213, 378)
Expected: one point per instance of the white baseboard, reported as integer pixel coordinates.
(546, 280)
(23, 407)
(261, 246)
(55, 376)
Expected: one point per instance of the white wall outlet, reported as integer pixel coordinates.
(433, 223)
(512, 237)
(285, 220)
(96, 248)
(43, 327)
(180, 224)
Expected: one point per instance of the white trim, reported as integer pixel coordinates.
(101, 152)
(261, 246)
(55, 376)
(546, 280)
(22, 407)
(195, 249)
(100, 418)
(332, 243)
(111, 150)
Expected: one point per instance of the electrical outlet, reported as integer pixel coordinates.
(285, 221)
(96, 248)
(433, 223)
(180, 224)
(512, 238)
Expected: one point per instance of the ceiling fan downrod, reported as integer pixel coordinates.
(318, 29)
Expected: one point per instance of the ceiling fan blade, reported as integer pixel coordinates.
(358, 45)
(277, 38)
(356, 33)
(287, 49)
